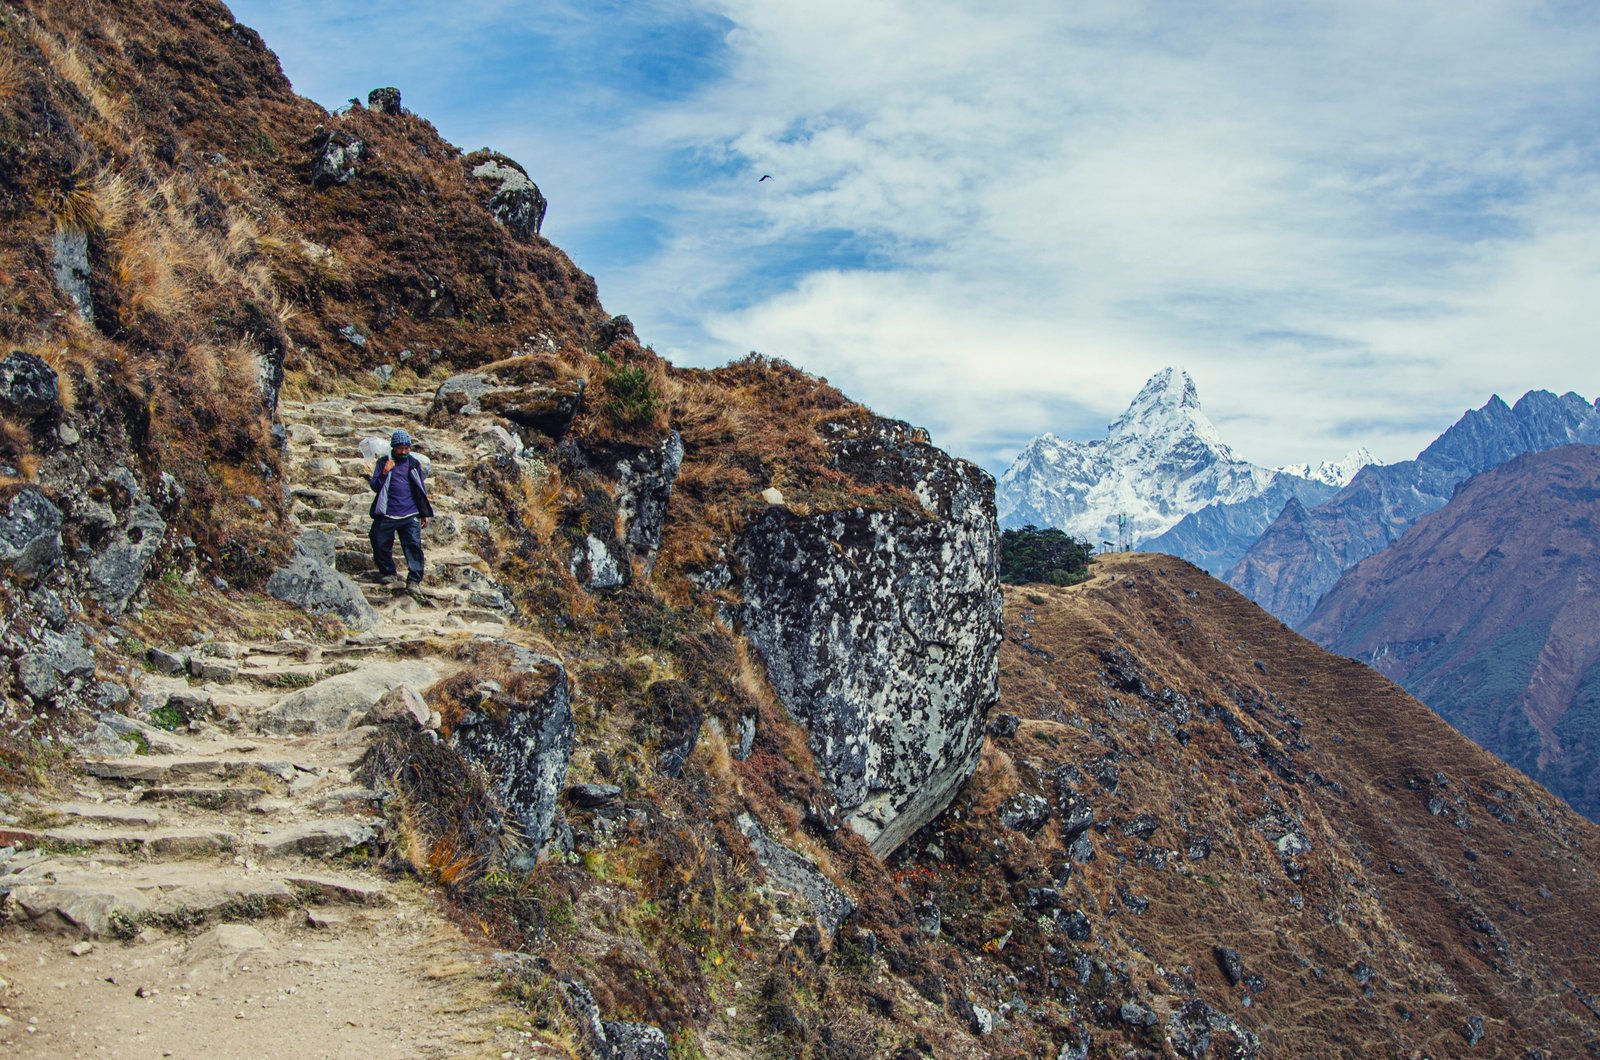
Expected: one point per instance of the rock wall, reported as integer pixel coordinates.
(880, 628)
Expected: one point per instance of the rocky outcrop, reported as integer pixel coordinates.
(516, 201)
(521, 390)
(644, 486)
(30, 534)
(521, 736)
(311, 581)
(338, 159)
(384, 101)
(880, 627)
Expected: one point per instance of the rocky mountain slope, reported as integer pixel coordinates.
(1160, 460)
(1217, 536)
(1485, 610)
(1335, 473)
(1303, 552)
(1217, 834)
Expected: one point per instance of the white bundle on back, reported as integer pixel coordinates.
(374, 447)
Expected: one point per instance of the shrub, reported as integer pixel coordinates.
(1053, 557)
(631, 393)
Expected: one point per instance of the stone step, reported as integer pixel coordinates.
(205, 797)
(157, 769)
(167, 842)
(69, 897)
(326, 838)
(108, 813)
(337, 888)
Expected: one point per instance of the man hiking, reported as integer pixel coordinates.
(400, 507)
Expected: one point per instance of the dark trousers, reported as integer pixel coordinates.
(383, 532)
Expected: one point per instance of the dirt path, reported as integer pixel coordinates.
(209, 897)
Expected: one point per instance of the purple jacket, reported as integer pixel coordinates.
(414, 475)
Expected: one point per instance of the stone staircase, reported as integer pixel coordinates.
(255, 811)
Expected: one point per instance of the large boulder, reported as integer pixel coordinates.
(30, 534)
(312, 582)
(521, 737)
(58, 659)
(28, 386)
(384, 100)
(880, 627)
(516, 201)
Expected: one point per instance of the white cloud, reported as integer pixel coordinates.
(1349, 221)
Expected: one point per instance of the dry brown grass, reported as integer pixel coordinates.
(11, 75)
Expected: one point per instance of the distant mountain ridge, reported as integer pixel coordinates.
(1161, 460)
(1301, 555)
(1487, 611)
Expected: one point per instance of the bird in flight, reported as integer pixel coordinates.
(764, 176)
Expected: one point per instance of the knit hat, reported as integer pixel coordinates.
(399, 438)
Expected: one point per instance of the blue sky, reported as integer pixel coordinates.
(1349, 221)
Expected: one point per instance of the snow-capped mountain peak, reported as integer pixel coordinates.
(1333, 472)
(1160, 460)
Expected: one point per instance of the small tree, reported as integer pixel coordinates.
(1053, 557)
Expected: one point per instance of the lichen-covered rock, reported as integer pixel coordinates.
(516, 201)
(880, 628)
(118, 570)
(57, 659)
(644, 487)
(28, 386)
(338, 159)
(69, 262)
(522, 739)
(1197, 1029)
(384, 100)
(30, 534)
(312, 581)
(636, 1041)
(596, 564)
(798, 874)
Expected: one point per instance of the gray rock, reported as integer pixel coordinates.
(333, 703)
(117, 572)
(1232, 966)
(1023, 812)
(311, 581)
(69, 262)
(166, 662)
(400, 703)
(800, 875)
(636, 1041)
(593, 796)
(644, 486)
(1076, 1048)
(930, 918)
(384, 372)
(28, 386)
(1198, 1030)
(1141, 827)
(521, 390)
(317, 839)
(338, 160)
(207, 669)
(384, 101)
(58, 658)
(1473, 1031)
(84, 910)
(516, 201)
(596, 564)
(524, 745)
(1138, 1015)
(980, 1019)
(30, 534)
(1075, 925)
(880, 629)
(747, 737)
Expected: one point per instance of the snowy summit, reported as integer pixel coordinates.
(1160, 460)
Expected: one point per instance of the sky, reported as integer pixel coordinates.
(1350, 221)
